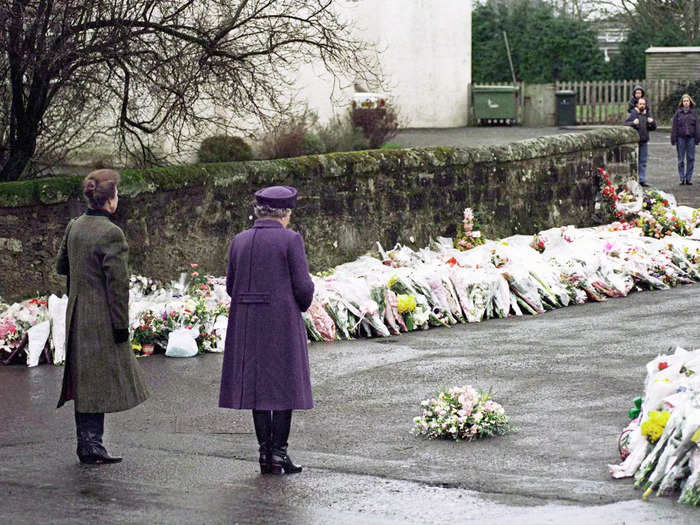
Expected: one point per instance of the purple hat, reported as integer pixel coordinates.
(277, 196)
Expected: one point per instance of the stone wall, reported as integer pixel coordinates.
(348, 201)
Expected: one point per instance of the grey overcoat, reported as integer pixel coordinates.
(99, 375)
(266, 360)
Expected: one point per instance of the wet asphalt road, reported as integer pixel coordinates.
(567, 378)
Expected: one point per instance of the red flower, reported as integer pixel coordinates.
(451, 261)
(540, 244)
(663, 365)
(665, 203)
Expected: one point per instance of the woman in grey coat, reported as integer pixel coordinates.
(101, 374)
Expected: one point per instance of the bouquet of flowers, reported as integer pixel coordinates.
(468, 237)
(10, 334)
(197, 284)
(143, 285)
(461, 413)
(18, 319)
(661, 443)
(610, 197)
(147, 330)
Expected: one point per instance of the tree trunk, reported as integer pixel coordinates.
(16, 163)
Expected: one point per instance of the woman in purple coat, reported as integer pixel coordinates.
(266, 361)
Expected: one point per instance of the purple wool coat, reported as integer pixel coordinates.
(266, 359)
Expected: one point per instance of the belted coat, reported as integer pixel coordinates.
(99, 375)
(266, 361)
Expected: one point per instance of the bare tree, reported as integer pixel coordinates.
(681, 16)
(148, 67)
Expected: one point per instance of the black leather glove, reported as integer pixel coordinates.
(121, 335)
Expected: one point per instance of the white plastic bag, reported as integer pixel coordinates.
(38, 335)
(57, 315)
(181, 342)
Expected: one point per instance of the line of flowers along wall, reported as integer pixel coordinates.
(176, 216)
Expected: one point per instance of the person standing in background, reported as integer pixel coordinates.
(640, 119)
(685, 135)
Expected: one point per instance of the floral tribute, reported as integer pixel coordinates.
(461, 413)
(468, 237)
(651, 210)
(17, 319)
(659, 447)
(440, 285)
(610, 197)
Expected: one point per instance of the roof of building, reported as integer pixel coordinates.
(673, 50)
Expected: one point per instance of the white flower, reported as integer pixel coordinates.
(411, 239)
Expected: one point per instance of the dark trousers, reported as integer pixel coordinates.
(685, 147)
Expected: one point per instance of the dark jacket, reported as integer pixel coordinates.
(685, 124)
(632, 104)
(100, 375)
(266, 360)
(644, 127)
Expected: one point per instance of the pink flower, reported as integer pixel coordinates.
(194, 265)
(7, 327)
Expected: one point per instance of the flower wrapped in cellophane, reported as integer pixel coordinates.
(18, 319)
(661, 451)
(461, 413)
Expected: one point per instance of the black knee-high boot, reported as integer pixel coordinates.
(90, 428)
(280, 460)
(262, 419)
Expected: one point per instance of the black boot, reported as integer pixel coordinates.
(262, 419)
(280, 460)
(90, 428)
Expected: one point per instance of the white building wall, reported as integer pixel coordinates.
(425, 59)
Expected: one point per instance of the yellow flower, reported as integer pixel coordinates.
(406, 303)
(654, 426)
(135, 346)
(392, 281)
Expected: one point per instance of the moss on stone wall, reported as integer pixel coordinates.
(182, 214)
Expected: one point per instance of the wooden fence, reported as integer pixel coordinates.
(605, 102)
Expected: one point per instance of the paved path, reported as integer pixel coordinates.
(567, 378)
(662, 171)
